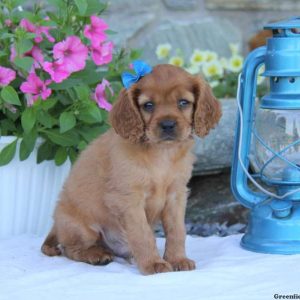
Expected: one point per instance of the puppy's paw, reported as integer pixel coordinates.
(182, 264)
(97, 256)
(158, 266)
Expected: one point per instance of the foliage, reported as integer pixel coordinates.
(59, 74)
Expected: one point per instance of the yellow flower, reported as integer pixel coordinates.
(236, 63)
(163, 50)
(260, 79)
(198, 57)
(211, 56)
(234, 48)
(213, 68)
(176, 61)
(193, 69)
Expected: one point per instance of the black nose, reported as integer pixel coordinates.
(167, 125)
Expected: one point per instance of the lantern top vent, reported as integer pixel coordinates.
(285, 28)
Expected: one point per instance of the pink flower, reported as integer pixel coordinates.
(57, 71)
(37, 30)
(36, 88)
(100, 96)
(95, 31)
(6, 76)
(8, 22)
(72, 53)
(102, 54)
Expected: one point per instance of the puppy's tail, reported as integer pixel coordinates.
(50, 245)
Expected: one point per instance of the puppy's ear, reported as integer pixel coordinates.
(207, 110)
(125, 117)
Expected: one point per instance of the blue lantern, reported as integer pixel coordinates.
(268, 139)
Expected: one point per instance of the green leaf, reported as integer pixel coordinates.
(66, 121)
(90, 114)
(94, 7)
(27, 144)
(61, 156)
(66, 139)
(90, 133)
(83, 92)
(72, 155)
(49, 103)
(46, 119)
(25, 63)
(46, 152)
(28, 119)
(81, 5)
(9, 95)
(8, 153)
(24, 46)
(110, 32)
(68, 83)
(57, 3)
(135, 54)
(82, 145)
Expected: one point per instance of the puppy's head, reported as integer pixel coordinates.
(167, 105)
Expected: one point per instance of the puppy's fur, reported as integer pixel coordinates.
(136, 174)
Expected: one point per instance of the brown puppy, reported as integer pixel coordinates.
(136, 174)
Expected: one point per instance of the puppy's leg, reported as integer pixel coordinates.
(81, 243)
(173, 223)
(50, 245)
(142, 242)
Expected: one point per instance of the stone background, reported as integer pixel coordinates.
(207, 25)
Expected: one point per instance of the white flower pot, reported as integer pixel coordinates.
(28, 193)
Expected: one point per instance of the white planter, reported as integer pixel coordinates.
(28, 193)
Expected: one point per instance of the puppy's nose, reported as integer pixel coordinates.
(167, 125)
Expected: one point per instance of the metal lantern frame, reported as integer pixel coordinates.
(274, 222)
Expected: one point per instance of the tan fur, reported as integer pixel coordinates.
(129, 178)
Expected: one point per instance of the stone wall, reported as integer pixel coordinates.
(187, 24)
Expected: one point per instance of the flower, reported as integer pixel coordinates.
(96, 31)
(224, 62)
(6, 76)
(163, 50)
(176, 61)
(198, 57)
(37, 30)
(100, 96)
(72, 53)
(8, 22)
(235, 63)
(212, 68)
(234, 48)
(261, 79)
(102, 54)
(193, 69)
(36, 88)
(214, 83)
(57, 71)
(211, 55)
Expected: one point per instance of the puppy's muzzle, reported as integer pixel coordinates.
(168, 129)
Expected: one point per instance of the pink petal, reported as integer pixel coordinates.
(57, 72)
(102, 54)
(6, 76)
(100, 96)
(46, 93)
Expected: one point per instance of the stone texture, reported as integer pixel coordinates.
(253, 5)
(214, 152)
(181, 5)
(206, 34)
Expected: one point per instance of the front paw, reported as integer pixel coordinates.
(182, 264)
(158, 266)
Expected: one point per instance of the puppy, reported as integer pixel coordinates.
(135, 175)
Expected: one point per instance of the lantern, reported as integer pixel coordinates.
(268, 139)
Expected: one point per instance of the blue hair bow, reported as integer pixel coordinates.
(141, 69)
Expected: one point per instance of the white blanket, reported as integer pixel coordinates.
(224, 271)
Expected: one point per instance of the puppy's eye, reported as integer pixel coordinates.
(148, 106)
(183, 103)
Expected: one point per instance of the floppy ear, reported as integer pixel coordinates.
(125, 117)
(207, 111)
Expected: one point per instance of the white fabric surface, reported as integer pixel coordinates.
(224, 271)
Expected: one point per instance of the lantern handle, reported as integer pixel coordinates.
(246, 100)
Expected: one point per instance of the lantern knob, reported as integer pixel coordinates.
(281, 209)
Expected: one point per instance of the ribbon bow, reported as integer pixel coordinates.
(141, 69)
